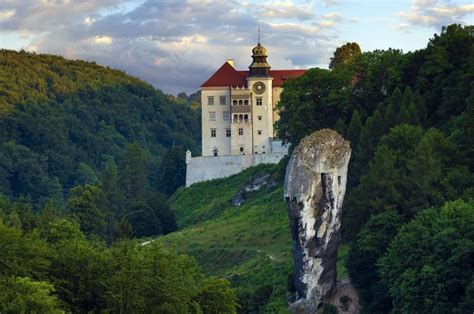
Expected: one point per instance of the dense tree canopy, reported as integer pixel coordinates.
(56, 269)
(409, 118)
(62, 121)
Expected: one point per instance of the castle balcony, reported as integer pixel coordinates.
(241, 118)
(240, 109)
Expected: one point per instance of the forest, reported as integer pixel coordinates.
(409, 209)
(88, 157)
(91, 159)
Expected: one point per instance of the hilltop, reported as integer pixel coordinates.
(62, 120)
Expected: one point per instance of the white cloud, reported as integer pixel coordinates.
(102, 40)
(88, 21)
(328, 3)
(176, 45)
(6, 14)
(434, 13)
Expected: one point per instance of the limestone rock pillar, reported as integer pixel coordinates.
(315, 185)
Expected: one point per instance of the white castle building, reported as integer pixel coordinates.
(238, 116)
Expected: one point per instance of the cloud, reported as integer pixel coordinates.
(328, 3)
(102, 40)
(433, 13)
(6, 14)
(176, 45)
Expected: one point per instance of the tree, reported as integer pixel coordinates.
(371, 244)
(354, 128)
(340, 127)
(23, 295)
(166, 217)
(143, 219)
(79, 267)
(85, 204)
(428, 265)
(172, 171)
(344, 55)
(133, 173)
(216, 296)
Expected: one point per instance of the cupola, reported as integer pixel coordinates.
(259, 66)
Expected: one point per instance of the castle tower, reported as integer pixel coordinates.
(259, 81)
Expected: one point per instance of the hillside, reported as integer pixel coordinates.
(249, 244)
(61, 121)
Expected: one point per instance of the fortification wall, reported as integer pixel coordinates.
(206, 168)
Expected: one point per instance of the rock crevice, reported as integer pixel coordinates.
(314, 191)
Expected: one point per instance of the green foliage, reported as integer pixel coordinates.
(172, 171)
(250, 244)
(428, 265)
(60, 270)
(23, 295)
(344, 55)
(371, 244)
(85, 204)
(409, 118)
(61, 120)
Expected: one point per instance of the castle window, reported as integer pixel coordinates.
(236, 118)
(260, 118)
(212, 116)
(259, 132)
(246, 102)
(227, 132)
(241, 102)
(241, 118)
(234, 102)
(241, 149)
(226, 115)
(213, 133)
(246, 118)
(222, 100)
(259, 101)
(216, 152)
(241, 131)
(210, 100)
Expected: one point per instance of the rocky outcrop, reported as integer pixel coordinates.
(315, 185)
(254, 184)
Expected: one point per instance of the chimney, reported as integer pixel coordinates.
(231, 62)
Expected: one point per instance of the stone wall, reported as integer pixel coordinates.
(206, 168)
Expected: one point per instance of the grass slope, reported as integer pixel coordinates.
(250, 245)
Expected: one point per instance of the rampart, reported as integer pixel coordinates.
(206, 168)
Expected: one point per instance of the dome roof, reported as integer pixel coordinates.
(259, 50)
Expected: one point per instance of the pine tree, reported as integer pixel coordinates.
(133, 173)
(341, 127)
(396, 100)
(354, 128)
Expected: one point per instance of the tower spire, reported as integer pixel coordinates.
(259, 35)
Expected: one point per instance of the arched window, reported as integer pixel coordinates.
(236, 117)
(241, 102)
(246, 118)
(246, 102)
(216, 152)
(241, 118)
(234, 102)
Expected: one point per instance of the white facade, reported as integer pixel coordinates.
(238, 115)
(249, 117)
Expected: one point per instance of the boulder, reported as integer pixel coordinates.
(315, 185)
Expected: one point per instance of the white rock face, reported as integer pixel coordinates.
(315, 185)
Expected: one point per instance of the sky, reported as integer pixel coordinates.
(177, 45)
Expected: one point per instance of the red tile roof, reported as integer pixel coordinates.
(227, 75)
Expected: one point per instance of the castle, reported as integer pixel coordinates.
(238, 116)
